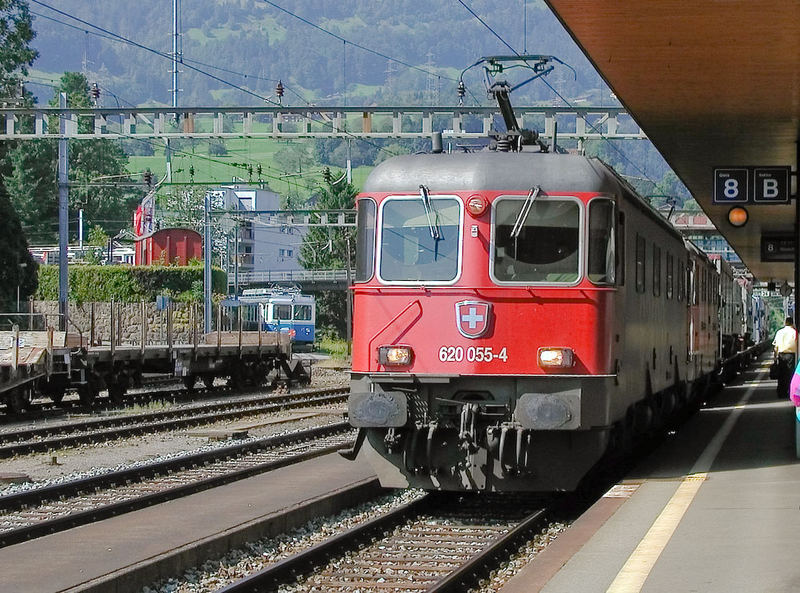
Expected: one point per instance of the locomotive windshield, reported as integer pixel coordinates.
(419, 244)
(545, 248)
(302, 312)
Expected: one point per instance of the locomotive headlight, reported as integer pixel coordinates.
(556, 357)
(395, 355)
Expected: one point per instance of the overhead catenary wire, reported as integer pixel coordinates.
(559, 95)
(364, 48)
(184, 59)
(165, 55)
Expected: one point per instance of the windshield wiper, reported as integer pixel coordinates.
(426, 203)
(524, 211)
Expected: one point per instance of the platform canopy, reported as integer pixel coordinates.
(713, 83)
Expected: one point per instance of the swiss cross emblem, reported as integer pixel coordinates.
(472, 318)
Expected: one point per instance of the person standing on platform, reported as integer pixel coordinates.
(785, 348)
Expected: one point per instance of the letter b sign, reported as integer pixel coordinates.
(771, 185)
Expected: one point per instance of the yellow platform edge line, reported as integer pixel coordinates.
(631, 578)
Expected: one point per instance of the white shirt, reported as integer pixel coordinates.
(786, 339)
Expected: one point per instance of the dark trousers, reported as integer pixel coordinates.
(785, 372)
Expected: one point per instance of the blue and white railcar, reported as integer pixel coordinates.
(279, 310)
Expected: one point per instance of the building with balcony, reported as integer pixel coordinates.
(252, 244)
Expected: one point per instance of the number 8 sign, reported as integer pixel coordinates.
(731, 186)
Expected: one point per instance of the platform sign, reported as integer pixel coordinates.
(777, 248)
(771, 185)
(751, 185)
(731, 185)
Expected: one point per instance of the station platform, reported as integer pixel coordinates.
(116, 555)
(715, 509)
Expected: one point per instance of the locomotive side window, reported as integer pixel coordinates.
(670, 275)
(282, 312)
(542, 246)
(419, 240)
(302, 312)
(602, 248)
(621, 248)
(641, 256)
(656, 270)
(365, 241)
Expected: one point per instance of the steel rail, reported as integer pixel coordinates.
(151, 471)
(469, 573)
(290, 568)
(302, 564)
(121, 420)
(145, 425)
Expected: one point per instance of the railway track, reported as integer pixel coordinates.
(169, 389)
(59, 436)
(37, 512)
(436, 543)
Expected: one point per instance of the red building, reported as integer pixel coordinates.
(168, 246)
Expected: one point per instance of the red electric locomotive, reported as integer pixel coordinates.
(518, 315)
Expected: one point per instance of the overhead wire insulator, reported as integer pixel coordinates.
(279, 91)
(95, 91)
(326, 174)
(462, 91)
(148, 177)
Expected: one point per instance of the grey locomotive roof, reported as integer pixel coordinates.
(501, 171)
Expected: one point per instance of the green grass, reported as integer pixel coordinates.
(335, 348)
(214, 170)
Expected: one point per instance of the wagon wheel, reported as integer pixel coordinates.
(19, 399)
(208, 381)
(189, 382)
(117, 390)
(87, 393)
(57, 396)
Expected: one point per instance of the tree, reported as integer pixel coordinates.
(96, 160)
(16, 54)
(328, 248)
(17, 267)
(31, 175)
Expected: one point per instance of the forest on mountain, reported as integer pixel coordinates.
(325, 53)
(254, 43)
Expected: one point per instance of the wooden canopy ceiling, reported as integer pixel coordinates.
(713, 83)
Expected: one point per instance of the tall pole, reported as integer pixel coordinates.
(796, 233)
(175, 52)
(236, 262)
(207, 263)
(63, 216)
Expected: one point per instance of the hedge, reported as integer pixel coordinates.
(128, 284)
